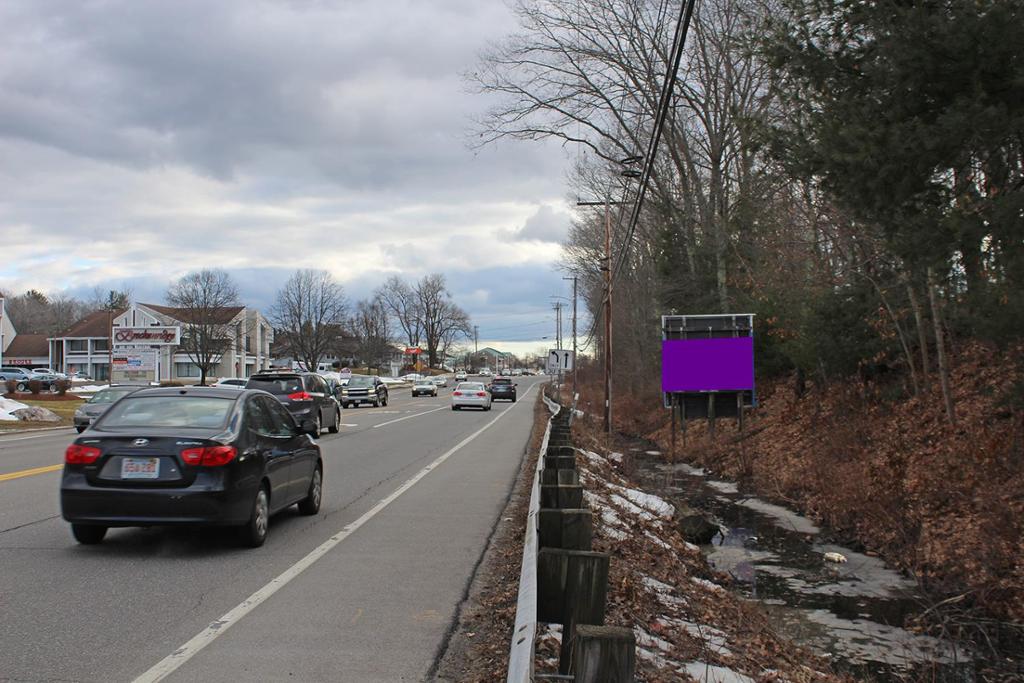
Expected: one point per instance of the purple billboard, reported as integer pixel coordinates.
(691, 365)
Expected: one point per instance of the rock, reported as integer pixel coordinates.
(36, 414)
(838, 558)
(695, 527)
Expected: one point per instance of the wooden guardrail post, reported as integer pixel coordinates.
(565, 529)
(603, 654)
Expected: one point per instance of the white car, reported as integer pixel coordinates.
(412, 377)
(424, 386)
(231, 383)
(471, 395)
(440, 381)
(461, 376)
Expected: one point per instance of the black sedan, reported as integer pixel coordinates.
(502, 387)
(195, 455)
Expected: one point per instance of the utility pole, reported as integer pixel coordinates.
(476, 339)
(607, 318)
(574, 279)
(558, 324)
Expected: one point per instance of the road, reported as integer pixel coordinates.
(412, 493)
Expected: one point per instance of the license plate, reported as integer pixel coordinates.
(140, 468)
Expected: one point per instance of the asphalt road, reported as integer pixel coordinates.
(365, 591)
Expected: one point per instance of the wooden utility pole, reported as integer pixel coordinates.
(607, 318)
(574, 279)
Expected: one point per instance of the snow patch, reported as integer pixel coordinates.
(710, 585)
(709, 673)
(615, 457)
(645, 502)
(7, 408)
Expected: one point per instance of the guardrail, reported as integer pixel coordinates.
(561, 580)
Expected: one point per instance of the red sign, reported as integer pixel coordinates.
(413, 352)
(17, 361)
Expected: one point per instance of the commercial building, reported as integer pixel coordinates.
(148, 343)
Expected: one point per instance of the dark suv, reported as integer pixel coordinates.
(305, 395)
(502, 387)
(364, 389)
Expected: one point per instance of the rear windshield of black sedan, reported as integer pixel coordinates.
(204, 412)
(276, 385)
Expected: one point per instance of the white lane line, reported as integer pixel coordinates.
(63, 431)
(176, 659)
(407, 417)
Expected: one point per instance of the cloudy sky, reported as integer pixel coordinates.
(142, 140)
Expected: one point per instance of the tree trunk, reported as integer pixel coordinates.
(922, 333)
(940, 347)
(899, 332)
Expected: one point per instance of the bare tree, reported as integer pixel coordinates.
(207, 302)
(309, 313)
(440, 317)
(371, 325)
(403, 305)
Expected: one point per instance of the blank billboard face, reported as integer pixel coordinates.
(725, 364)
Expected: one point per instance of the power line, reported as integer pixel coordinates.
(664, 105)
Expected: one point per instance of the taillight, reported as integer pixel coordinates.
(81, 455)
(456, 393)
(481, 393)
(300, 396)
(209, 456)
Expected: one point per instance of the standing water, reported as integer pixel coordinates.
(852, 611)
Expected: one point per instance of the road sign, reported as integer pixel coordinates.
(560, 360)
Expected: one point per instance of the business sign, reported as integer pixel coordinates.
(137, 366)
(560, 360)
(698, 365)
(412, 352)
(147, 336)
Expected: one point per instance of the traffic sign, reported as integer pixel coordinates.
(560, 360)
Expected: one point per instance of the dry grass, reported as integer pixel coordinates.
(64, 409)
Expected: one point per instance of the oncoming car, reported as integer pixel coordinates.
(471, 395)
(98, 403)
(197, 455)
(424, 386)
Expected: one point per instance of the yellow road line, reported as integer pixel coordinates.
(29, 473)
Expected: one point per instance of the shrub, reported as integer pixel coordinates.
(35, 386)
(171, 384)
(61, 386)
(11, 386)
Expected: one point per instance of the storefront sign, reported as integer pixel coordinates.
(150, 336)
(135, 366)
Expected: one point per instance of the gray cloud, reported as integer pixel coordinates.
(141, 140)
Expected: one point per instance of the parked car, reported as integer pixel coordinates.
(231, 382)
(304, 394)
(440, 381)
(471, 395)
(364, 389)
(461, 376)
(99, 403)
(23, 377)
(47, 373)
(196, 455)
(502, 387)
(424, 386)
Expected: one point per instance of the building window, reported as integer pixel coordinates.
(186, 370)
(100, 344)
(79, 345)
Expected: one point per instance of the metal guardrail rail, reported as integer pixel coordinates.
(524, 634)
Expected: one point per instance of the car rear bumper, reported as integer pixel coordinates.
(470, 403)
(84, 503)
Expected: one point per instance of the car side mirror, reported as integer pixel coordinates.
(309, 427)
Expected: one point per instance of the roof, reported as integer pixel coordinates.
(493, 352)
(28, 346)
(221, 314)
(96, 324)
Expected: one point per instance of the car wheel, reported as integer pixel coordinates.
(319, 425)
(310, 505)
(333, 429)
(88, 534)
(22, 387)
(80, 429)
(376, 404)
(254, 532)
(513, 399)
(385, 404)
